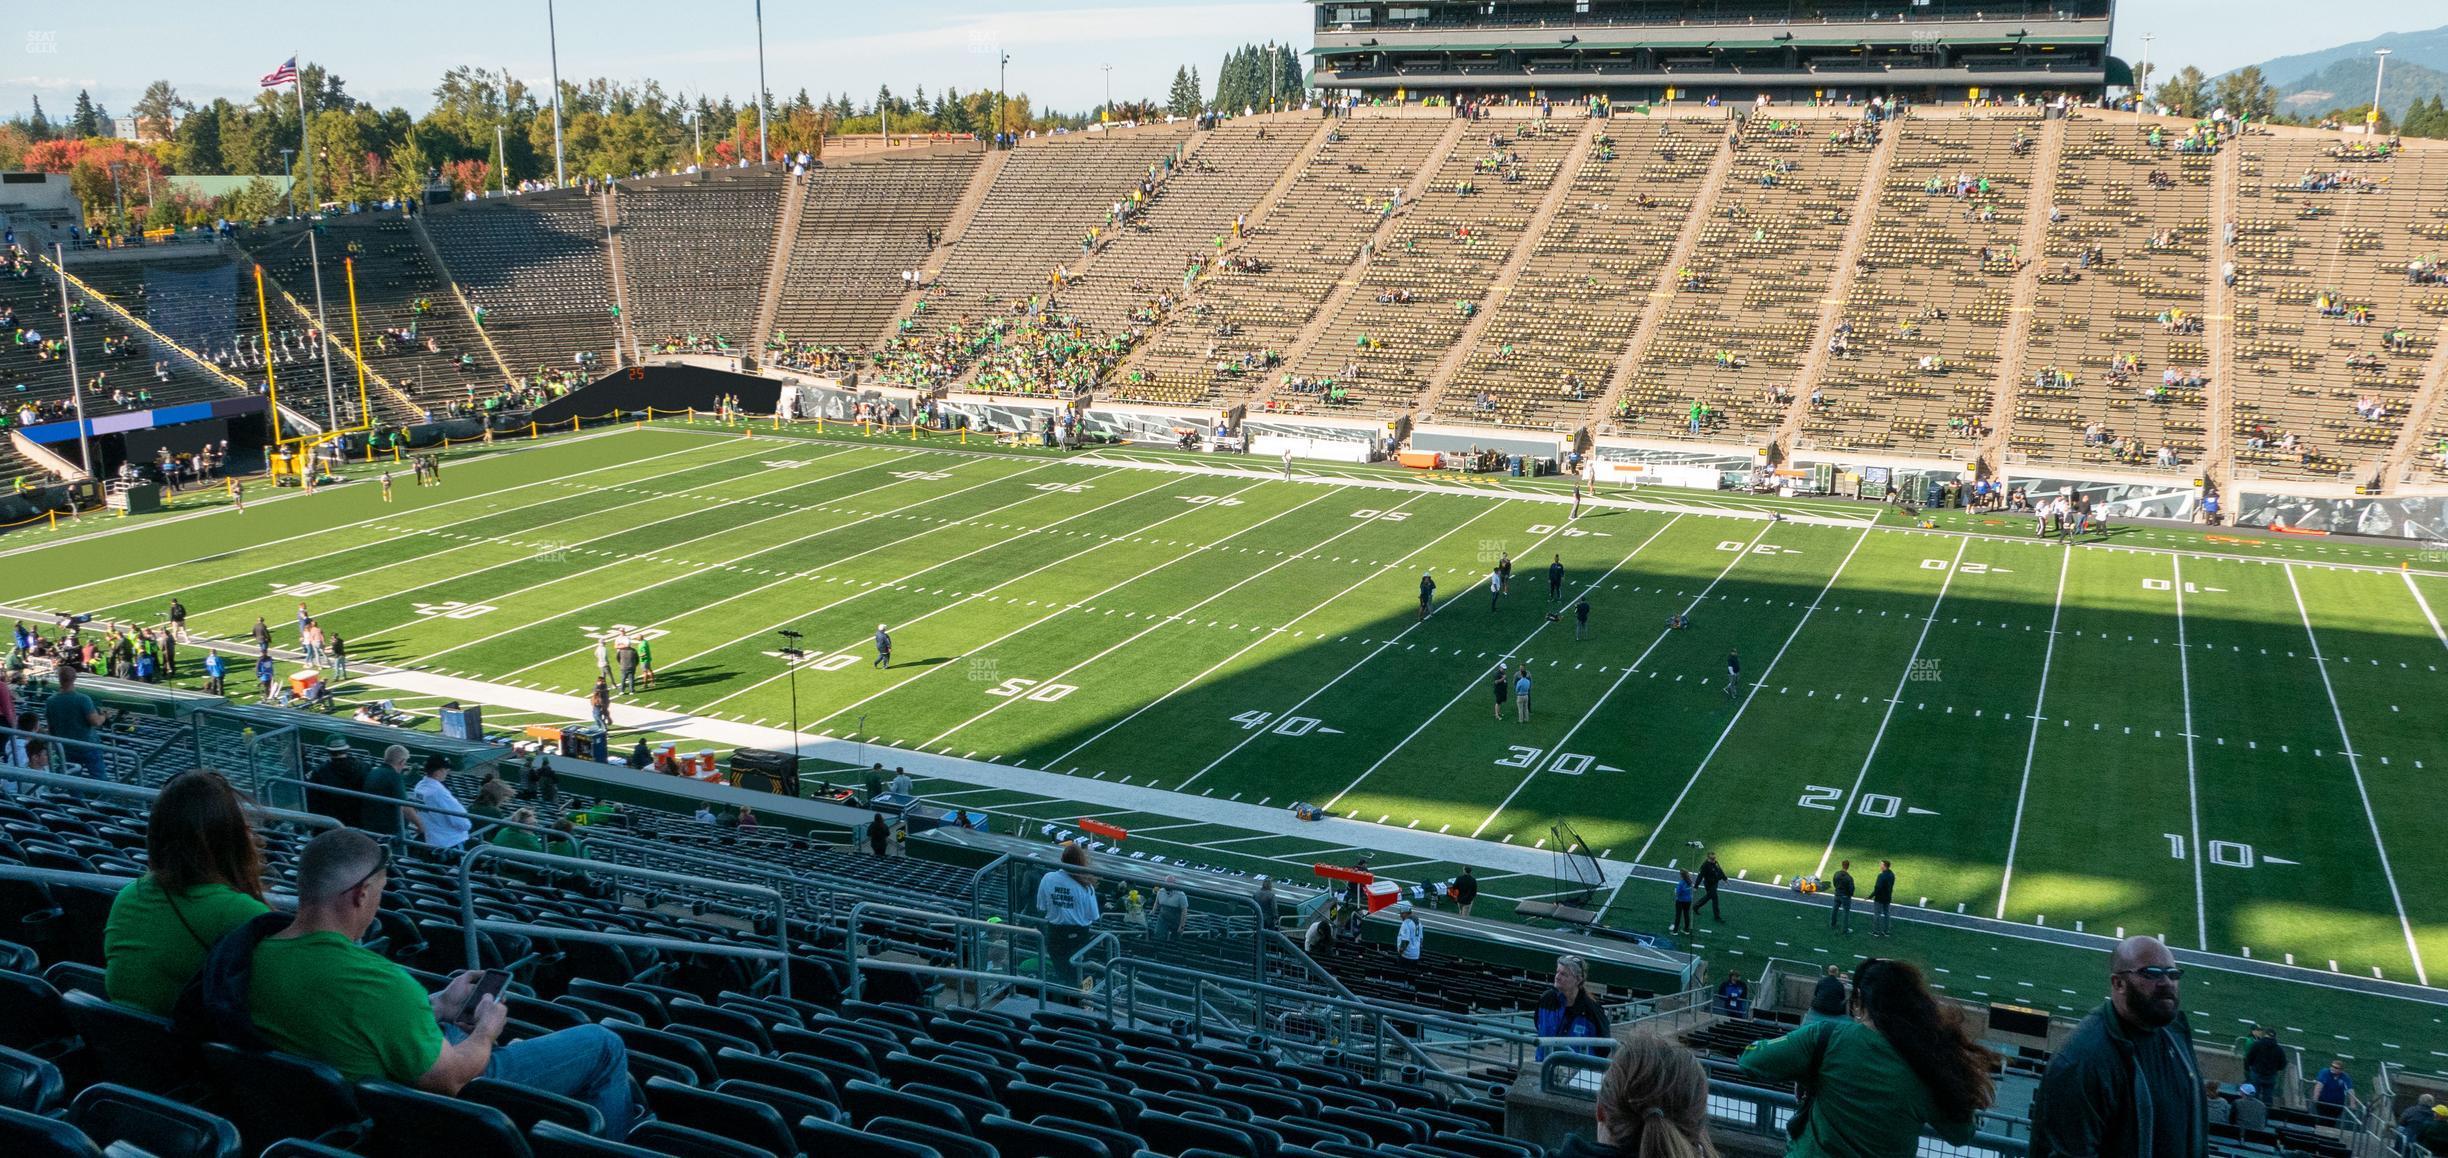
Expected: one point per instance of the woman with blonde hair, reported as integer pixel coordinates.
(1653, 1103)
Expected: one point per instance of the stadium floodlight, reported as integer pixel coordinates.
(762, 154)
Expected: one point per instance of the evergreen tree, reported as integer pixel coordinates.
(86, 121)
(1184, 99)
(38, 126)
(198, 140)
(2245, 92)
(2186, 94)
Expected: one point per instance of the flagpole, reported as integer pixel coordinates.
(305, 148)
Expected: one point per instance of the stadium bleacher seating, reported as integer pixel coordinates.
(2142, 214)
(1424, 281)
(537, 264)
(1927, 310)
(1741, 324)
(1216, 347)
(864, 224)
(1544, 358)
(696, 251)
(2324, 242)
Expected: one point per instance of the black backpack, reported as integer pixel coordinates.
(215, 1006)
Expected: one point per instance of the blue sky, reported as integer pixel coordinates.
(392, 53)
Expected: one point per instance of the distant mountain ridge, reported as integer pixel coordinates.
(2341, 77)
(2428, 49)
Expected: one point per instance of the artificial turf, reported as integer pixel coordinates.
(2229, 739)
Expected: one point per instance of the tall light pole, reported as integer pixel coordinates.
(501, 157)
(2372, 125)
(791, 657)
(2141, 96)
(76, 385)
(291, 178)
(323, 338)
(1002, 71)
(760, 97)
(1108, 92)
(552, 37)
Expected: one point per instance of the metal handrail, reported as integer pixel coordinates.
(82, 784)
(933, 917)
(62, 744)
(1733, 1105)
(1382, 1014)
(479, 851)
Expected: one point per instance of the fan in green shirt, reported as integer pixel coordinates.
(1874, 1078)
(154, 944)
(387, 1030)
(206, 878)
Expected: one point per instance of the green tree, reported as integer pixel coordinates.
(88, 120)
(158, 110)
(195, 147)
(38, 126)
(2246, 93)
(1184, 99)
(2186, 94)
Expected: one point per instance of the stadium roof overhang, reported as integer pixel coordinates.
(2120, 73)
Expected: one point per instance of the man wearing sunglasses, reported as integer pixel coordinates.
(2125, 1084)
(318, 993)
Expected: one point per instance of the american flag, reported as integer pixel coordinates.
(286, 73)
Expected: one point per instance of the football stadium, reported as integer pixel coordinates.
(963, 632)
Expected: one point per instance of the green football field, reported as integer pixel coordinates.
(2230, 740)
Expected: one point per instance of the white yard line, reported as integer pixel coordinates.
(2425, 604)
(1620, 678)
(2354, 764)
(861, 593)
(2184, 672)
(1893, 698)
(1357, 525)
(827, 651)
(1080, 602)
(1745, 706)
(2031, 748)
(1476, 681)
(328, 612)
(1255, 643)
(1000, 586)
(795, 512)
(321, 531)
(128, 526)
(1387, 644)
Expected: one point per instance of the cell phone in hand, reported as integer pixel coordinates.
(488, 984)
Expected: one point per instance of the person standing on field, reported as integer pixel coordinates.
(1521, 694)
(1495, 587)
(1503, 688)
(626, 654)
(1581, 618)
(1882, 896)
(645, 654)
(1555, 580)
(1733, 671)
(1840, 916)
(883, 645)
(1712, 875)
(178, 620)
(1427, 593)
(603, 658)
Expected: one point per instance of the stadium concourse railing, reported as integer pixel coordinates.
(1735, 1105)
(779, 955)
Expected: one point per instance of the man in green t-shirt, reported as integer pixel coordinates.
(318, 993)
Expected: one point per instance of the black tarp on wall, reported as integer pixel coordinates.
(663, 388)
